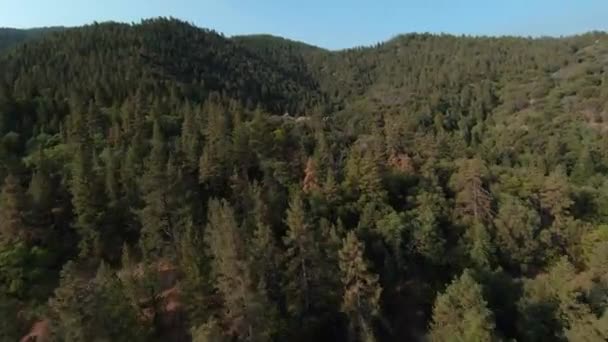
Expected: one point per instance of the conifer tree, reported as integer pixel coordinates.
(213, 163)
(460, 313)
(93, 309)
(370, 180)
(88, 202)
(517, 233)
(245, 307)
(428, 239)
(302, 259)
(40, 193)
(473, 200)
(264, 252)
(361, 299)
(330, 189)
(584, 167)
(555, 195)
(311, 181)
(12, 208)
(157, 224)
(190, 137)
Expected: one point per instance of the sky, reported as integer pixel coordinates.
(332, 24)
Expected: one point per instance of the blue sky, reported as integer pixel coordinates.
(332, 24)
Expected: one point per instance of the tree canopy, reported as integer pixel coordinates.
(163, 182)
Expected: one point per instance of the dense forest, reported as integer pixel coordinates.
(163, 182)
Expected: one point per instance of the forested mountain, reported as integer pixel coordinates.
(10, 37)
(162, 182)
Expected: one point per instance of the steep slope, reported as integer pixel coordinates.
(286, 56)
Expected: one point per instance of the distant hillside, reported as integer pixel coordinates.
(10, 37)
(114, 58)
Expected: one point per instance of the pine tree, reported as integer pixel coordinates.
(93, 309)
(40, 216)
(302, 259)
(323, 157)
(213, 163)
(196, 284)
(460, 313)
(481, 249)
(330, 189)
(88, 202)
(428, 239)
(190, 137)
(555, 195)
(131, 170)
(157, 224)
(370, 180)
(242, 152)
(330, 244)
(41, 194)
(246, 308)
(68, 304)
(12, 209)
(361, 299)
(311, 182)
(264, 252)
(517, 233)
(363, 177)
(584, 167)
(473, 201)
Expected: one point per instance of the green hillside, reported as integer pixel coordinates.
(12, 37)
(163, 182)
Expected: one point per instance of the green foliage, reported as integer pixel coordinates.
(518, 230)
(302, 256)
(427, 237)
(94, 309)
(361, 298)
(440, 153)
(247, 313)
(461, 313)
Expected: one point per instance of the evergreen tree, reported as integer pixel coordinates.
(428, 239)
(190, 137)
(246, 309)
(517, 233)
(93, 309)
(265, 256)
(157, 223)
(88, 202)
(213, 164)
(555, 195)
(302, 259)
(311, 182)
(43, 199)
(584, 168)
(460, 313)
(12, 209)
(473, 200)
(361, 299)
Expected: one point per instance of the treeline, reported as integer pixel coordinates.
(429, 188)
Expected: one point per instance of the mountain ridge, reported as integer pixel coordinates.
(397, 36)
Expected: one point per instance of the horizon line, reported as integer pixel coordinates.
(362, 46)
